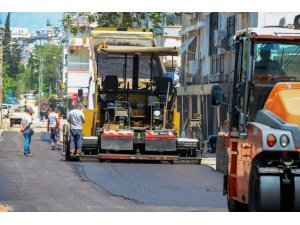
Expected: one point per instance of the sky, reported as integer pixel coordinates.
(32, 20)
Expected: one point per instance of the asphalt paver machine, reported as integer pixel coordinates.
(135, 115)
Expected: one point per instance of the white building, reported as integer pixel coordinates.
(19, 32)
(171, 38)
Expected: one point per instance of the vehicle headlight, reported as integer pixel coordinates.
(157, 112)
(284, 140)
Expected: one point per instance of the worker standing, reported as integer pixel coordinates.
(27, 130)
(76, 120)
(53, 127)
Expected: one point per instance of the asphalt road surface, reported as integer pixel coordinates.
(46, 183)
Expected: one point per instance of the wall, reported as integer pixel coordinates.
(172, 38)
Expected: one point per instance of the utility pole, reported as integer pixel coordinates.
(40, 93)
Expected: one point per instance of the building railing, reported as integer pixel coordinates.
(191, 55)
(217, 64)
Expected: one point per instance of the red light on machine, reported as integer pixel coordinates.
(271, 140)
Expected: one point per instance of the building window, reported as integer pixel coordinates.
(213, 25)
(230, 32)
(191, 53)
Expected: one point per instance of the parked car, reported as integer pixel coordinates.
(15, 116)
(5, 110)
(29, 95)
(13, 102)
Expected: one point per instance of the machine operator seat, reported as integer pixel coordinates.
(162, 86)
(110, 88)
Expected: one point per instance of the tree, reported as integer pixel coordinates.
(6, 39)
(108, 19)
(11, 59)
(51, 55)
(8, 83)
(73, 21)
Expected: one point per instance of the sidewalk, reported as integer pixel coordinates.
(209, 159)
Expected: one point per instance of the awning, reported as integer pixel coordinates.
(186, 44)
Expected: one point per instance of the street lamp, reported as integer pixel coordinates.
(41, 75)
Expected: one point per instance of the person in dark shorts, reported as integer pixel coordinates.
(53, 127)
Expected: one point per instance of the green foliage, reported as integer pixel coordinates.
(51, 56)
(8, 82)
(24, 82)
(72, 20)
(11, 59)
(157, 20)
(108, 19)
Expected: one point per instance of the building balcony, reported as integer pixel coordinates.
(217, 64)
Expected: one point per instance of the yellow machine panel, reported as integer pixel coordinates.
(89, 115)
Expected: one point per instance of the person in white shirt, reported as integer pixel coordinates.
(53, 127)
(26, 127)
(76, 120)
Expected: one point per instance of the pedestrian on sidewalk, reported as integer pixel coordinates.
(43, 111)
(76, 120)
(26, 124)
(58, 112)
(53, 127)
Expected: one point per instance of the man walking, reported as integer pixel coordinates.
(53, 126)
(26, 124)
(76, 119)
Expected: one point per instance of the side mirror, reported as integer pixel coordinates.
(216, 95)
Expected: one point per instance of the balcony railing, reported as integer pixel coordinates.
(191, 55)
(217, 64)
